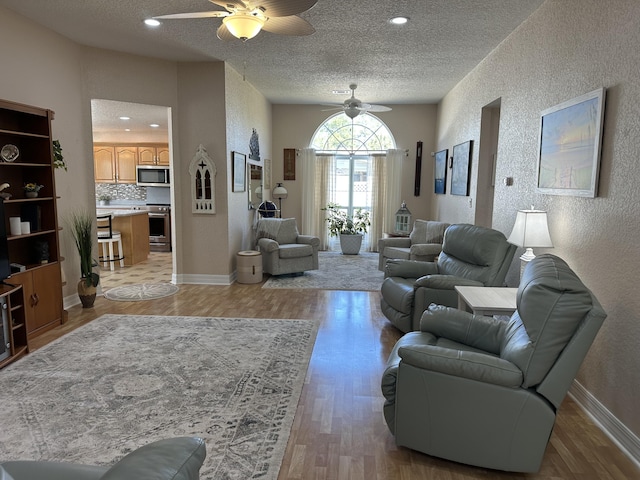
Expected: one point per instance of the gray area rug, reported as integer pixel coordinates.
(141, 291)
(336, 272)
(123, 381)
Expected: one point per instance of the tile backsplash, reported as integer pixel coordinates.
(121, 191)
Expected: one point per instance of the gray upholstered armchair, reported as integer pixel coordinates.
(171, 459)
(423, 243)
(471, 255)
(485, 391)
(283, 249)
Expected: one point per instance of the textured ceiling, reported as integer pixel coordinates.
(353, 43)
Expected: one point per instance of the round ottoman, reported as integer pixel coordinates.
(249, 265)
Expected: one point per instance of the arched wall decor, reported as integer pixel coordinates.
(203, 184)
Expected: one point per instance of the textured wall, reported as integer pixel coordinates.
(565, 49)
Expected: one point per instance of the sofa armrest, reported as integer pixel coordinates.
(409, 268)
(402, 242)
(309, 240)
(471, 365)
(445, 282)
(477, 331)
(267, 245)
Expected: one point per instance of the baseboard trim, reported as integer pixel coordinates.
(203, 279)
(624, 438)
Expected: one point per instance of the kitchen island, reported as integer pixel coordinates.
(133, 226)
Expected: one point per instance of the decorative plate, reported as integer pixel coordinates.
(9, 153)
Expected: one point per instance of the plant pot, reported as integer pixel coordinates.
(31, 194)
(350, 244)
(87, 293)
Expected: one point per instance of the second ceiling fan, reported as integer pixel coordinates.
(244, 19)
(353, 107)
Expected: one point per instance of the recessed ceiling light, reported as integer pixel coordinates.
(125, 118)
(399, 20)
(152, 22)
(154, 125)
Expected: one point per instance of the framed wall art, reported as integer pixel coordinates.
(289, 164)
(569, 146)
(461, 168)
(239, 172)
(440, 171)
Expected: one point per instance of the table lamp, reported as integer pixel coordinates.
(530, 230)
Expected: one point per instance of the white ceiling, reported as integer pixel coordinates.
(353, 43)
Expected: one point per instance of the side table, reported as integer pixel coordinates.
(249, 266)
(487, 300)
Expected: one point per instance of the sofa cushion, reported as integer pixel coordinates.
(295, 250)
(288, 232)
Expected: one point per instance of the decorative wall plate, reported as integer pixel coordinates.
(9, 153)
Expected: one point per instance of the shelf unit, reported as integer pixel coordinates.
(29, 129)
(13, 312)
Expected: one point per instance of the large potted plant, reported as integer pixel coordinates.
(82, 231)
(350, 228)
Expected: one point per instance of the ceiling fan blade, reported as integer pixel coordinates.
(230, 5)
(378, 108)
(282, 8)
(290, 25)
(337, 107)
(223, 33)
(192, 15)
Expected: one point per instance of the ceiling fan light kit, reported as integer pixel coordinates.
(243, 26)
(352, 107)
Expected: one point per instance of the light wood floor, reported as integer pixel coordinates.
(339, 431)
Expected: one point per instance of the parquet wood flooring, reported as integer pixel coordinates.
(339, 431)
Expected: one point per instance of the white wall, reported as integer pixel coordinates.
(565, 49)
(294, 126)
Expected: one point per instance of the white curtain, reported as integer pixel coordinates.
(317, 185)
(387, 178)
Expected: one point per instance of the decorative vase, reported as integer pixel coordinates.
(350, 244)
(87, 293)
(31, 194)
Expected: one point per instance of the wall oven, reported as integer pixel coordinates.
(152, 176)
(159, 228)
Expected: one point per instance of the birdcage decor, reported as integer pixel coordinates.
(403, 220)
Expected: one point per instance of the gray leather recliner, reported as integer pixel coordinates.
(283, 249)
(471, 255)
(484, 391)
(170, 459)
(423, 243)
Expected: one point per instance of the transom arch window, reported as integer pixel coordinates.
(341, 135)
(351, 175)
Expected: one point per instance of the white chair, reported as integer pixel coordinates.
(107, 236)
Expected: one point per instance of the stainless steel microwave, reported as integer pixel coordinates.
(153, 176)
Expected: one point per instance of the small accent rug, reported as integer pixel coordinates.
(336, 272)
(141, 291)
(123, 381)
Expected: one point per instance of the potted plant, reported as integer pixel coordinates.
(58, 158)
(82, 231)
(350, 228)
(31, 189)
(104, 199)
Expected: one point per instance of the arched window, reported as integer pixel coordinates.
(363, 135)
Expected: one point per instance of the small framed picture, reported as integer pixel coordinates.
(440, 171)
(239, 164)
(289, 164)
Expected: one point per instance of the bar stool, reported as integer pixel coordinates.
(107, 236)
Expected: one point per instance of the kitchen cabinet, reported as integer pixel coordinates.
(114, 163)
(153, 155)
(38, 252)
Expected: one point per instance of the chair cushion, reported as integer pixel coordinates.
(288, 232)
(426, 231)
(551, 302)
(295, 250)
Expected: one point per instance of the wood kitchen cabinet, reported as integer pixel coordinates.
(153, 155)
(115, 164)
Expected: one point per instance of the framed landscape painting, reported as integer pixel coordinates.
(461, 168)
(440, 171)
(569, 146)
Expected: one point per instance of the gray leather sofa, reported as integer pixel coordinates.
(471, 255)
(283, 249)
(170, 459)
(485, 391)
(423, 243)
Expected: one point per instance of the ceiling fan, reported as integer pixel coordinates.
(244, 19)
(353, 107)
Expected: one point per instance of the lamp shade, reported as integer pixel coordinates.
(280, 192)
(531, 230)
(243, 26)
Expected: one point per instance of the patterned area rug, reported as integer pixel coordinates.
(337, 272)
(141, 291)
(123, 381)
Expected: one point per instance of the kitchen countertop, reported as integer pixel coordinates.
(120, 212)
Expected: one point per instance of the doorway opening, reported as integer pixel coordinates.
(487, 158)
